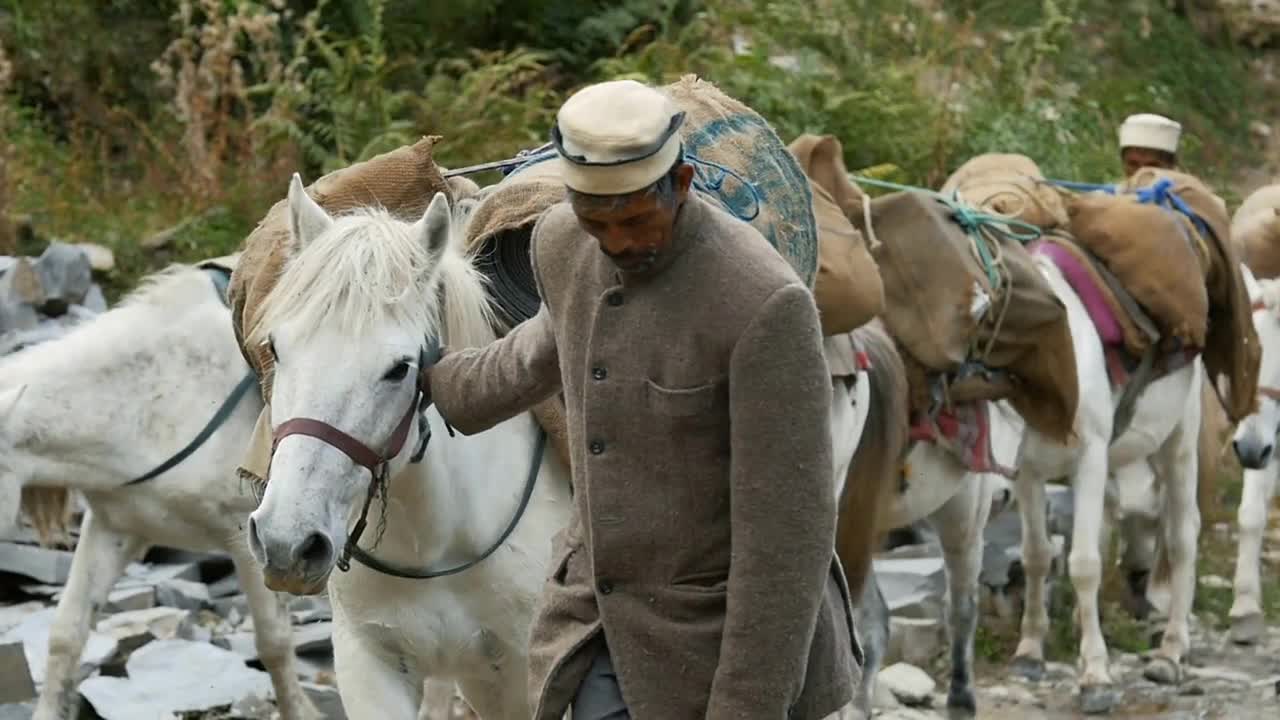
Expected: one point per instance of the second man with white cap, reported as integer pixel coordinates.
(1148, 140)
(696, 579)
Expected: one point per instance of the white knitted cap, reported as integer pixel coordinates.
(1154, 132)
(616, 137)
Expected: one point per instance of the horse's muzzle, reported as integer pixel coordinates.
(293, 584)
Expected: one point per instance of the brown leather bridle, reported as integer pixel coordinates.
(362, 455)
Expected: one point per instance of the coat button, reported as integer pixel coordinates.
(597, 447)
(615, 299)
(605, 587)
(599, 373)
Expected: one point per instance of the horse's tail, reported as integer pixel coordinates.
(876, 466)
(49, 510)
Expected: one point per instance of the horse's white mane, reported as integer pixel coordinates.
(368, 266)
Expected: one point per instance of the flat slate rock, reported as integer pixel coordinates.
(33, 632)
(168, 677)
(44, 565)
(17, 711)
(16, 684)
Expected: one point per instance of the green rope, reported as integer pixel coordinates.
(973, 221)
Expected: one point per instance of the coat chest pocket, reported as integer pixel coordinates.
(690, 402)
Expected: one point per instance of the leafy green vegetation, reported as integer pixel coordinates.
(126, 117)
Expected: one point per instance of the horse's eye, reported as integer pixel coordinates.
(397, 373)
(271, 347)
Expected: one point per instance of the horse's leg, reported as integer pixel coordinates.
(1085, 566)
(873, 635)
(1176, 460)
(372, 685)
(100, 558)
(273, 636)
(1247, 622)
(1139, 512)
(1037, 554)
(959, 524)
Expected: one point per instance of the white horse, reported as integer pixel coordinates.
(1164, 429)
(1254, 443)
(957, 504)
(110, 402)
(353, 314)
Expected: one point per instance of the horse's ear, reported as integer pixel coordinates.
(307, 220)
(436, 225)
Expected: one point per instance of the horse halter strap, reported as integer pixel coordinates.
(361, 454)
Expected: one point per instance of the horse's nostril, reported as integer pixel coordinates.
(1265, 454)
(255, 543)
(315, 549)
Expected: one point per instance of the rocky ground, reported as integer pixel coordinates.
(175, 641)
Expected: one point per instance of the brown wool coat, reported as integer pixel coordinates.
(701, 541)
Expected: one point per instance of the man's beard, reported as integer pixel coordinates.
(634, 261)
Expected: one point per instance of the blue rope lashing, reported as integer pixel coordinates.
(1160, 194)
(713, 185)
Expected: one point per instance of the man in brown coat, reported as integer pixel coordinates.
(696, 578)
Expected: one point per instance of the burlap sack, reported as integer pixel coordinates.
(1151, 251)
(1257, 239)
(821, 157)
(931, 279)
(1255, 232)
(403, 181)
(515, 203)
(721, 130)
(1231, 350)
(848, 288)
(1009, 185)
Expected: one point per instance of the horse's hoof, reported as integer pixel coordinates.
(1156, 638)
(1098, 699)
(1162, 670)
(1028, 668)
(961, 701)
(1247, 629)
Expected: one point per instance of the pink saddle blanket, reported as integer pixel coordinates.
(1086, 288)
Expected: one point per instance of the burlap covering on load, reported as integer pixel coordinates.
(1154, 255)
(1009, 185)
(931, 278)
(848, 289)
(1255, 232)
(1231, 350)
(717, 129)
(821, 157)
(403, 181)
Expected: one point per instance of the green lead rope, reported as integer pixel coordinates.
(974, 222)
